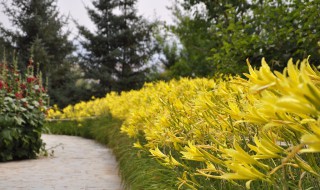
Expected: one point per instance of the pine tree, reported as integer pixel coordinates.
(117, 52)
(5, 49)
(39, 28)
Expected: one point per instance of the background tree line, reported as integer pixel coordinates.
(212, 36)
(218, 35)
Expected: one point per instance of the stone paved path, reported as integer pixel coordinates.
(77, 164)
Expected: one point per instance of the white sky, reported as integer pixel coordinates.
(149, 9)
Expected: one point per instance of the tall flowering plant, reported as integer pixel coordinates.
(23, 106)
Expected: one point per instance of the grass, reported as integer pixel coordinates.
(137, 169)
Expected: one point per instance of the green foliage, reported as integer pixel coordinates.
(218, 35)
(166, 45)
(22, 112)
(138, 171)
(5, 47)
(69, 85)
(295, 35)
(117, 52)
(197, 43)
(38, 28)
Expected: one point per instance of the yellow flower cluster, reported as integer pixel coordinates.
(262, 128)
(93, 108)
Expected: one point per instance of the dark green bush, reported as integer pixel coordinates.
(22, 112)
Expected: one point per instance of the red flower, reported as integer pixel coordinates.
(31, 79)
(43, 90)
(19, 95)
(1, 84)
(23, 86)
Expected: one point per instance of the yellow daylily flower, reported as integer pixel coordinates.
(171, 161)
(192, 153)
(294, 105)
(239, 154)
(312, 141)
(305, 166)
(157, 153)
(261, 79)
(137, 145)
(265, 148)
(243, 171)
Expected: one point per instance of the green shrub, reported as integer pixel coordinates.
(22, 112)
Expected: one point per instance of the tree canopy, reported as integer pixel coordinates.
(38, 32)
(214, 36)
(218, 36)
(117, 52)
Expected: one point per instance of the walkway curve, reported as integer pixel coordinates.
(77, 164)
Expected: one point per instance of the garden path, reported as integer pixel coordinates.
(76, 164)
